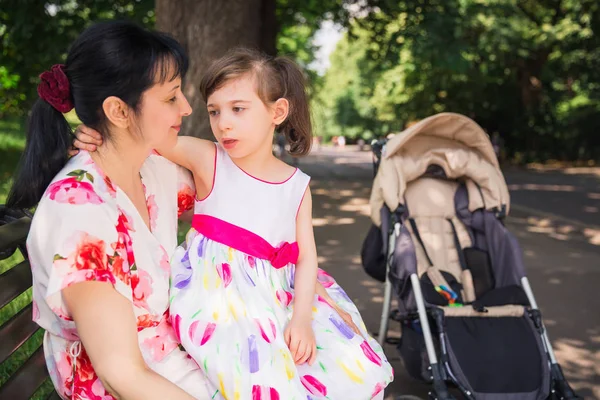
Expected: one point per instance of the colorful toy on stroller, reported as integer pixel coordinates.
(468, 315)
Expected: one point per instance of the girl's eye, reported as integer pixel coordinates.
(213, 113)
(237, 109)
(173, 100)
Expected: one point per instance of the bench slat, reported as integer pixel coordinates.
(23, 383)
(13, 234)
(14, 282)
(14, 228)
(16, 331)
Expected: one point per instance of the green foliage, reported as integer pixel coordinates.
(35, 34)
(343, 104)
(12, 142)
(298, 21)
(528, 70)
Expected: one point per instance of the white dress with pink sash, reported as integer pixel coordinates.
(232, 297)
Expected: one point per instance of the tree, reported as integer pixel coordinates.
(35, 34)
(209, 28)
(343, 104)
(524, 69)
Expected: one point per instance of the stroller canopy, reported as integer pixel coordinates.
(452, 142)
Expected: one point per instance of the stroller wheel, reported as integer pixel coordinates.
(393, 341)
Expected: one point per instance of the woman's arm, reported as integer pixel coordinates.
(107, 328)
(320, 290)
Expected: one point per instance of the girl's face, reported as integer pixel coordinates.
(163, 107)
(239, 119)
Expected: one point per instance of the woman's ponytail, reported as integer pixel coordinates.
(48, 140)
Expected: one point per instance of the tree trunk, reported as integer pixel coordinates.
(269, 27)
(207, 29)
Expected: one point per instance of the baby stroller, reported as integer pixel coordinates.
(467, 312)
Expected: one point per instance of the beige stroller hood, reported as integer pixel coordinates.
(455, 143)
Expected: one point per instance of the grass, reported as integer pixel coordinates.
(12, 143)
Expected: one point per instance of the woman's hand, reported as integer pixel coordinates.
(86, 139)
(320, 290)
(345, 316)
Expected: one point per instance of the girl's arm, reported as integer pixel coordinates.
(107, 328)
(299, 335)
(196, 155)
(190, 152)
(306, 267)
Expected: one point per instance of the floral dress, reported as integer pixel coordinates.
(233, 295)
(86, 229)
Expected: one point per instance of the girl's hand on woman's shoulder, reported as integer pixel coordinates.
(86, 138)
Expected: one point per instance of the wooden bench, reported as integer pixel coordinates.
(32, 373)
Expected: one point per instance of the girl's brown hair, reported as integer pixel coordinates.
(276, 78)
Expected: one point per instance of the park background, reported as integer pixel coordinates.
(527, 71)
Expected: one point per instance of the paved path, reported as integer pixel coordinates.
(554, 217)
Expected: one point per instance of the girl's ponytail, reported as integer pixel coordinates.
(297, 127)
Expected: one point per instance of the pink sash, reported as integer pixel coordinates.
(245, 241)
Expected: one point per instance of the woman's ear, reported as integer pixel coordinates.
(116, 111)
(281, 110)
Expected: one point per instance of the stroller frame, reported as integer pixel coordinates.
(439, 367)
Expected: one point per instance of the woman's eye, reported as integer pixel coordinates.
(237, 109)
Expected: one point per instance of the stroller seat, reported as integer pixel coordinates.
(446, 255)
(490, 343)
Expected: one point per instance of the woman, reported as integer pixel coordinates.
(105, 224)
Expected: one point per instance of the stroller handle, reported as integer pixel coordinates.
(378, 149)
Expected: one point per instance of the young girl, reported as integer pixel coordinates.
(243, 299)
(243, 287)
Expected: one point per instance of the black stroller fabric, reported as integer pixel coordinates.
(375, 248)
(372, 254)
(496, 357)
(478, 262)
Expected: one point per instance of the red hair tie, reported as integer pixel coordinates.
(55, 89)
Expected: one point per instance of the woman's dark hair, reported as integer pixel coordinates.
(276, 78)
(114, 58)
